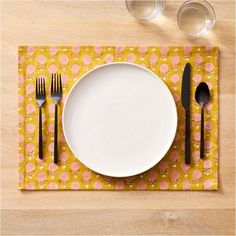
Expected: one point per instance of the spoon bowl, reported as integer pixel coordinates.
(202, 96)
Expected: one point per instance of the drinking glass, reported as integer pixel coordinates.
(196, 17)
(145, 10)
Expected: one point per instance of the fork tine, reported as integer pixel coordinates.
(60, 84)
(52, 85)
(57, 83)
(36, 86)
(44, 90)
(40, 85)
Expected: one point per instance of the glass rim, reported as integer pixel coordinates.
(201, 2)
(152, 16)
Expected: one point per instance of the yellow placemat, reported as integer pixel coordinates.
(74, 61)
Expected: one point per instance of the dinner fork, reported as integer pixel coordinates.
(56, 94)
(40, 99)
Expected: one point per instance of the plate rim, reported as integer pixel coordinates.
(109, 64)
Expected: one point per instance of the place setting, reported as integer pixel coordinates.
(121, 117)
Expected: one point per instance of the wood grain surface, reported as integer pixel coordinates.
(111, 212)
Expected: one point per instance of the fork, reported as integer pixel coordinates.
(56, 94)
(40, 99)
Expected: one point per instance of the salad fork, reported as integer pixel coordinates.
(56, 94)
(40, 99)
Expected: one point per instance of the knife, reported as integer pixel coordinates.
(185, 97)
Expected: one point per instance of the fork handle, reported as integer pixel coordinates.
(55, 136)
(40, 134)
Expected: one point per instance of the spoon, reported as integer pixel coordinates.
(202, 96)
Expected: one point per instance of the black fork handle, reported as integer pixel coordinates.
(202, 135)
(40, 134)
(55, 136)
(187, 138)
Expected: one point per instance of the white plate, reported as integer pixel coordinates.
(120, 119)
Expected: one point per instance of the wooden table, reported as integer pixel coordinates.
(99, 213)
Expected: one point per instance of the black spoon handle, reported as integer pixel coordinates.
(202, 134)
(187, 138)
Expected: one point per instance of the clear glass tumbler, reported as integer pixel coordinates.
(196, 17)
(145, 10)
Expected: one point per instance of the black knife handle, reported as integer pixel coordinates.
(187, 138)
(202, 135)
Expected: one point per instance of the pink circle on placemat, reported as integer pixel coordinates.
(142, 49)
(53, 50)
(141, 185)
(153, 58)
(207, 164)
(119, 185)
(152, 175)
(175, 78)
(164, 68)
(76, 49)
(208, 125)
(52, 166)
(30, 69)
(196, 155)
(97, 184)
(74, 166)
(64, 59)
(197, 78)
(209, 67)
(51, 128)
(197, 174)
(131, 58)
(164, 185)
(20, 157)
(187, 49)
(174, 156)
(75, 68)
(207, 184)
(176, 97)
(41, 176)
(30, 128)
(163, 165)
(186, 184)
(75, 185)
(174, 175)
(63, 156)
(52, 186)
(86, 175)
(52, 68)
(86, 59)
(197, 136)
(198, 59)
(29, 166)
(21, 60)
(175, 60)
(64, 176)
(20, 79)
(41, 59)
(51, 147)
(29, 147)
(109, 58)
(196, 117)
(29, 186)
(98, 49)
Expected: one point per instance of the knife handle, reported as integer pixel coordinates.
(187, 138)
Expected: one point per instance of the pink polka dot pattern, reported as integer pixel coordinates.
(73, 62)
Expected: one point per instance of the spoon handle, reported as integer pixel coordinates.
(202, 134)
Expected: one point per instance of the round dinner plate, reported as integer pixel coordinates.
(119, 119)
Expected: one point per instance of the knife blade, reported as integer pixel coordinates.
(185, 98)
